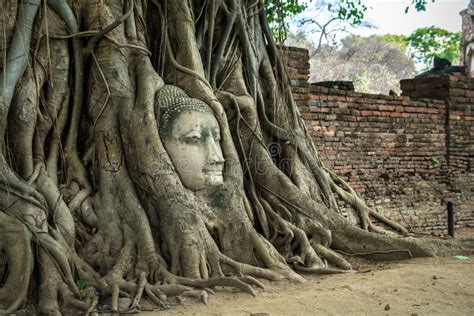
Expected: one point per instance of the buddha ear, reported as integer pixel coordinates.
(159, 110)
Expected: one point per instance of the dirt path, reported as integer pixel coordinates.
(435, 286)
(424, 286)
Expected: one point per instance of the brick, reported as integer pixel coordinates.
(386, 108)
(399, 109)
(384, 145)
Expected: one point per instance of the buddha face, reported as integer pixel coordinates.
(193, 145)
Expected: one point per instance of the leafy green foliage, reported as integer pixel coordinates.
(352, 11)
(428, 42)
(435, 161)
(393, 38)
(420, 5)
(278, 13)
(82, 285)
(279, 9)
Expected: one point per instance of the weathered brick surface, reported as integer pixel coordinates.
(458, 95)
(406, 155)
(297, 62)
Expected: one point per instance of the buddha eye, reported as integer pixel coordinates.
(192, 138)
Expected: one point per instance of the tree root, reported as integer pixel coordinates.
(15, 242)
(241, 283)
(170, 285)
(299, 267)
(348, 195)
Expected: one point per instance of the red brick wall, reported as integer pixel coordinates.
(458, 93)
(297, 61)
(406, 155)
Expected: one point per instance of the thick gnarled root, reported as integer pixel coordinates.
(153, 283)
(15, 245)
(304, 244)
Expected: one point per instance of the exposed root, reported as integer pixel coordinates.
(301, 268)
(332, 257)
(157, 299)
(139, 292)
(296, 235)
(348, 195)
(15, 243)
(382, 255)
(223, 281)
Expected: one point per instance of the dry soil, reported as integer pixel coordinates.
(427, 286)
(435, 286)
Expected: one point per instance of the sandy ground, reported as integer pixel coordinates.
(427, 286)
(435, 286)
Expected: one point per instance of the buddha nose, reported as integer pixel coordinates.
(214, 151)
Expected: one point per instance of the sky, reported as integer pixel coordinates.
(388, 16)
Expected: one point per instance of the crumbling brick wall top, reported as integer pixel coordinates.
(456, 88)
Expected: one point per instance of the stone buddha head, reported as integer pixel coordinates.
(191, 135)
